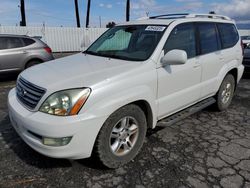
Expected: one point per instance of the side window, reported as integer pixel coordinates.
(208, 38)
(28, 41)
(3, 43)
(14, 42)
(229, 35)
(182, 37)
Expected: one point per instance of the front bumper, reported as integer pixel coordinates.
(83, 128)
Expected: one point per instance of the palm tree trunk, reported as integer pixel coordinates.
(77, 14)
(88, 12)
(127, 10)
(22, 9)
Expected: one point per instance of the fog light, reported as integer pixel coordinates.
(56, 141)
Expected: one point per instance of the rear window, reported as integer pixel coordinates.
(228, 34)
(28, 41)
(208, 38)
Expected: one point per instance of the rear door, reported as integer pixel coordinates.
(12, 54)
(211, 57)
(179, 85)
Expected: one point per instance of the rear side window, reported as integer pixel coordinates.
(3, 43)
(14, 42)
(28, 41)
(228, 34)
(182, 38)
(208, 38)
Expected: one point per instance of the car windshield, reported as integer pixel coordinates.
(133, 42)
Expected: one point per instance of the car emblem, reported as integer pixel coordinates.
(23, 92)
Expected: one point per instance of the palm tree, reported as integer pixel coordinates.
(22, 9)
(88, 12)
(77, 14)
(127, 10)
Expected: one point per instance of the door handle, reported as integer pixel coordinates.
(196, 65)
(25, 52)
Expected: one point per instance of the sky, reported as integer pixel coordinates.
(62, 12)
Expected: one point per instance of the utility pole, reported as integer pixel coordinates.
(22, 9)
(88, 12)
(77, 14)
(127, 10)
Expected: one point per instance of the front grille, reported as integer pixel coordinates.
(28, 93)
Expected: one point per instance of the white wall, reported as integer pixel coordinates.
(65, 39)
(60, 39)
(244, 32)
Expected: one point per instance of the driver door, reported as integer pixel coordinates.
(179, 85)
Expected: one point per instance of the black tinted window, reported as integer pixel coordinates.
(228, 34)
(208, 38)
(28, 41)
(3, 43)
(14, 42)
(183, 38)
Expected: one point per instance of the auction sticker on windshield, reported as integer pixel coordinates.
(155, 28)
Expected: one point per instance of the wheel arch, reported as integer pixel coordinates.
(234, 72)
(32, 59)
(146, 108)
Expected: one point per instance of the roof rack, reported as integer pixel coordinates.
(169, 16)
(214, 16)
(187, 15)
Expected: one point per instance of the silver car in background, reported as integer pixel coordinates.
(18, 52)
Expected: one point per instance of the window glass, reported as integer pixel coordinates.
(3, 43)
(208, 38)
(28, 41)
(112, 44)
(14, 42)
(182, 38)
(229, 35)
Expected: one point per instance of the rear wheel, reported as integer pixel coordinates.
(225, 94)
(121, 136)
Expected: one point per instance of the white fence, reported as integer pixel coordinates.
(65, 39)
(60, 39)
(244, 32)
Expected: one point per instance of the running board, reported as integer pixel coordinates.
(186, 112)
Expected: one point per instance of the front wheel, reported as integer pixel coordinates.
(121, 136)
(225, 94)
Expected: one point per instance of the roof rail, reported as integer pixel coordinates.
(187, 15)
(215, 16)
(167, 16)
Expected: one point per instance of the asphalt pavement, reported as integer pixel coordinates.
(208, 149)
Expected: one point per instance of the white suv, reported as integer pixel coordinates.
(102, 101)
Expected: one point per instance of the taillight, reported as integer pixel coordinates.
(242, 47)
(48, 49)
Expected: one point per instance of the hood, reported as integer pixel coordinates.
(80, 70)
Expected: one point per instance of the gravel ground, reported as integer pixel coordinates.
(208, 149)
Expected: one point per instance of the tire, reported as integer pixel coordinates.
(32, 63)
(225, 94)
(116, 146)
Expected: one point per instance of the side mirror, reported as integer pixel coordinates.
(174, 57)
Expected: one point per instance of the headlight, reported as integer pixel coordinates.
(65, 103)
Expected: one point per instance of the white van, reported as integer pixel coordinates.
(137, 74)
